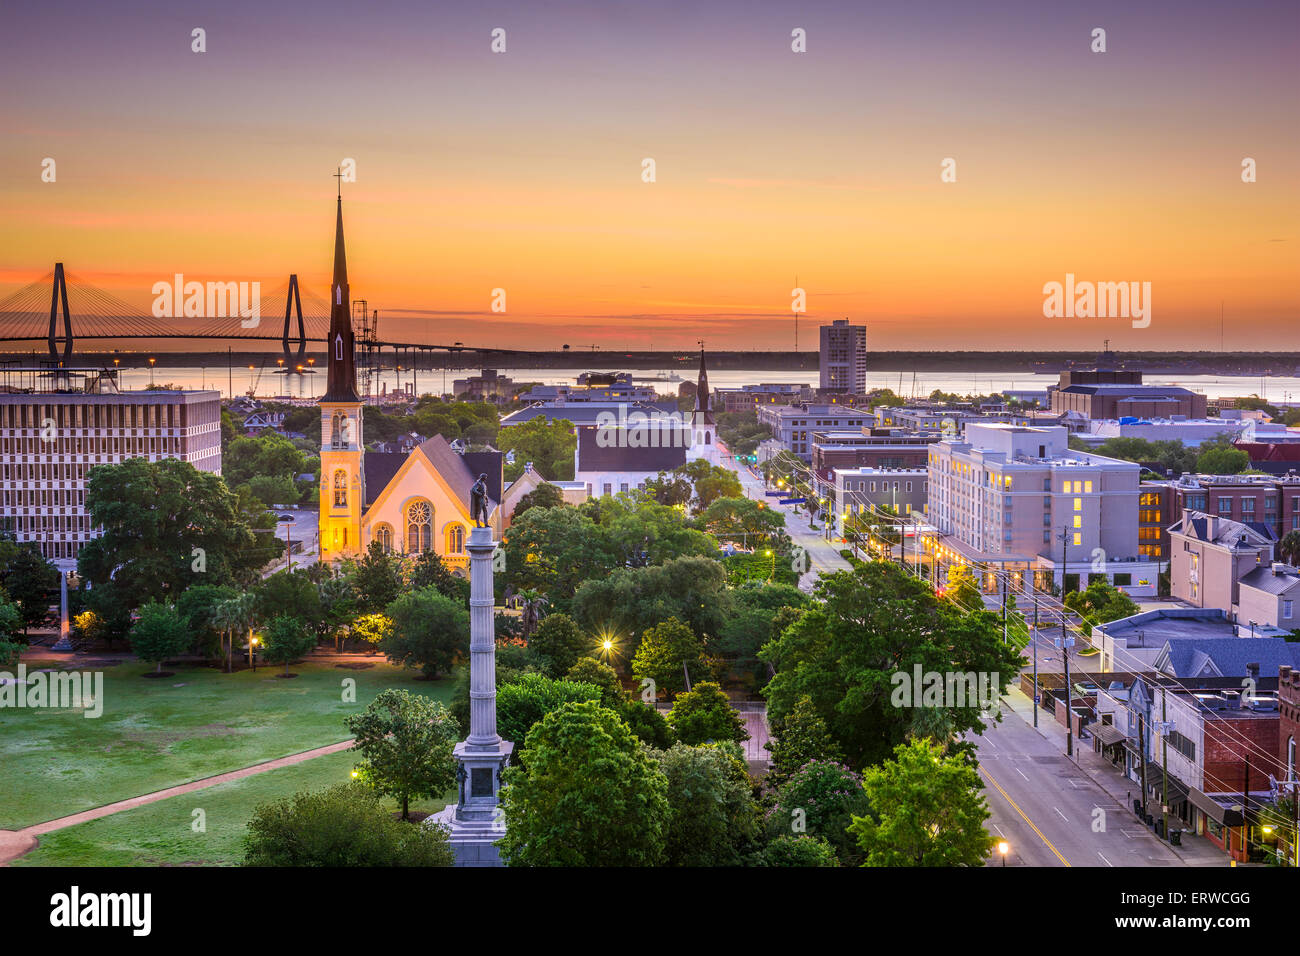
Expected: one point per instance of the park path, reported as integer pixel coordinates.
(16, 843)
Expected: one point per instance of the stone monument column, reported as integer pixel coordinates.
(475, 821)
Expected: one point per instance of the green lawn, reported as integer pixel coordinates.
(158, 733)
(162, 833)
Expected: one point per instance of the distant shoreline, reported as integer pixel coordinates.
(1187, 363)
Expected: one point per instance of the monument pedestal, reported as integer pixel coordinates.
(475, 821)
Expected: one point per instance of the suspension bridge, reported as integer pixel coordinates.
(63, 310)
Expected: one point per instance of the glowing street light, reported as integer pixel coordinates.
(1003, 847)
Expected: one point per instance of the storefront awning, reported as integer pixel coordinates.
(1108, 734)
(1226, 816)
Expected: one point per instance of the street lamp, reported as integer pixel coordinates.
(151, 362)
(252, 661)
(1003, 847)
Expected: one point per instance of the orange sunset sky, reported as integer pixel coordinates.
(522, 170)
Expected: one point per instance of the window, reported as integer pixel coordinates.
(419, 527)
(384, 535)
(1225, 506)
(1078, 538)
(456, 539)
(1078, 523)
(340, 489)
(1087, 487)
(1286, 609)
(1078, 504)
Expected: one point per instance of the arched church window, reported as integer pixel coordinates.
(456, 539)
(707, 439)
(340, 489)
(384, 535)
(336, 430)
(419, 527)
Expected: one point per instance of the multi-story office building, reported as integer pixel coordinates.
(844, 357)
(858, 490)
(793, 425)
(54, 427)
(1020, 499)
(748, 397)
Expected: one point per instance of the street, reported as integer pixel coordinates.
(823, 557)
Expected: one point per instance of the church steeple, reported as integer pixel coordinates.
(703, 413)
(341, 382)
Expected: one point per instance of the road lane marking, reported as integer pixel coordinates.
(1015, 807)
(1104, 860)
(1021, 772)
(1061, 815)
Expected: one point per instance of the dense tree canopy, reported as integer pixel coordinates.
(876, 621)
(587, 793)
(406, 744)
(429, 631)
(926, 810)
(166, 526)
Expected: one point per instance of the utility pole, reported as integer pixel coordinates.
(1142, 750)
(1164, 759)
(1035, 643)
(1245, 811)
(1004, 604)
(1065, 644)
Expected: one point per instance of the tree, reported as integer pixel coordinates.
(871, 623)
(821, 799)
(343, 826)
(749, 522)
(235, 615)
(160, 633)
(741, 431)
(559, 644)
(407, 745)
(197, 607)
(377, 578)
(669, 489)
(292, 593)
(667, 654)
(10, 625)
(430, 571)
(1218, 460)
(794, 850)
(531, 603)
(285, 639)
(167, 525)
(1288, 549)
(587, 793)
(31, 582)
(926, 810)
(710, 482)
(545, 495)
(799, 737)
(645, 721)
(371, 629)
(338, 602)
(430, 631)
(548, 445)
(705, 714)
(630, 600)
(1099, 603)
(555, 550)
(588, 670)
(712, 817)
(530, 697)
(749, 626)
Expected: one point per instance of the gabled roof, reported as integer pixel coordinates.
(1226, 656)
(1223, 531)
(1267, 580)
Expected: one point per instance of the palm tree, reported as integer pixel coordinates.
(531, 601)
(1288, 549)
(231, 616)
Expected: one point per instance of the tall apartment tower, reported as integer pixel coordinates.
(844, 357)
(342, 489)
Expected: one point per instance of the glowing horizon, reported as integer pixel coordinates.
(522, 171)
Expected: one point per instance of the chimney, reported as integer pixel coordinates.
(1252, 671)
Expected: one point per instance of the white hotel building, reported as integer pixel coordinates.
(54, 427)
(1018, 498)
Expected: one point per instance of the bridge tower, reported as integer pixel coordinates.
(293, 299)
(342, 478)
(59, 294)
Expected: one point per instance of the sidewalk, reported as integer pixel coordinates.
(1195, 851)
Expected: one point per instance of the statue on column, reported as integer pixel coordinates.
(478, 502)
